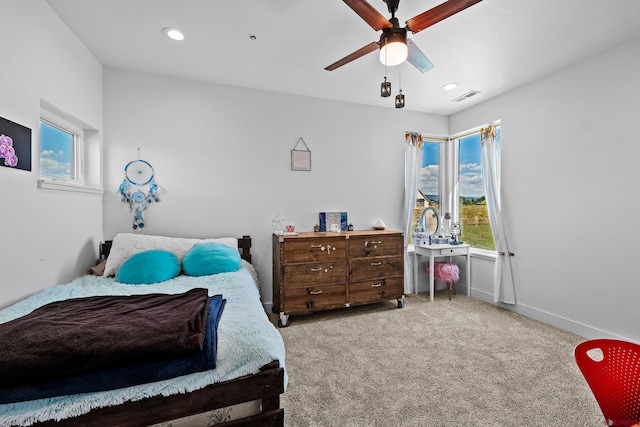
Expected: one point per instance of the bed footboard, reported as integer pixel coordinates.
(265, 386)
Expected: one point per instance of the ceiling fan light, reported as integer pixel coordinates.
(393, 48)
(385, 88)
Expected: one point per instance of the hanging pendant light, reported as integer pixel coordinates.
(399, 96)
(385, 88)
(400, 100)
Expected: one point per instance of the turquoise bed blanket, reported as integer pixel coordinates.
(246, 341)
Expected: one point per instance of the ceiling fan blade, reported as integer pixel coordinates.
(353, 56)
(369, 14)
(417, 58)
(437, 14)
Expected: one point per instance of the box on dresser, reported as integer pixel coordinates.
(315, 271)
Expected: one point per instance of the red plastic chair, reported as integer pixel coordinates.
(612, 371)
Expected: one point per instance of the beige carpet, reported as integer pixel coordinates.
(448, 363)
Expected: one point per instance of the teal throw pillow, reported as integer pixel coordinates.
(147, 267)
(204, 259)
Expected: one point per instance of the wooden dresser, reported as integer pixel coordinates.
(315, 271)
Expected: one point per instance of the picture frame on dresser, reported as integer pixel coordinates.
(318, 271)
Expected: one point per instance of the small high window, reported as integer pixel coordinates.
(61, 147)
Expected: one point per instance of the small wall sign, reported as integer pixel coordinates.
(300, 159)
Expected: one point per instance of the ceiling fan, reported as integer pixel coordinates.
(394, 45)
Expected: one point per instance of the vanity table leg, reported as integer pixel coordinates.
(415, 271)
(468, 272)
(431, 286)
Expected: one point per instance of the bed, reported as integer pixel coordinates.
(244, 387)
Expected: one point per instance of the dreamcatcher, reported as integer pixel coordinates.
(139, 189)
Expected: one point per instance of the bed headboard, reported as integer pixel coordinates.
(244, 246)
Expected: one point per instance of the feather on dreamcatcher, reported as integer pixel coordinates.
(139, 189)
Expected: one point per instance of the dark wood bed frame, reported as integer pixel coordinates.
(266, 386)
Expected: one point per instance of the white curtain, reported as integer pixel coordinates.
(503, 286)
(412, 164)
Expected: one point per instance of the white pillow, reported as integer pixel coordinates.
(126, 244)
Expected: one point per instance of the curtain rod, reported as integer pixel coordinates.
(475, 130)
(434, 138)
(459, 135)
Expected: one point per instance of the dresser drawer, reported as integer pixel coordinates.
(454, 251)
(327, 273)
(371, 246)
(373, 268)
(372, 290)
(314, 298)
(313, 250)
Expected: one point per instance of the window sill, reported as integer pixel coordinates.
(484, 254)
(65, 186)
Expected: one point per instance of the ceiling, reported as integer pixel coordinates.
(491, 47)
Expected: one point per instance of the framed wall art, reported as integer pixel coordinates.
(15, 145)
(300, 158)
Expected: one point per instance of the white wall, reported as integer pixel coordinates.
(569, 182)
(48, 236)
(222, 158)
(568, 176)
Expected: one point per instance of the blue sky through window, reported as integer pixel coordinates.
(470, 175)
(470, 178)
(429, 172)
(55, 151)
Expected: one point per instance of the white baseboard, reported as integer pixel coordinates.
(578, 328)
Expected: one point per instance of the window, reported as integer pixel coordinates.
(452, 170)
(70, 154)
(474, 217)
(428, 187)
(61, 146)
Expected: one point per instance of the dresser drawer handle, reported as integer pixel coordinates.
(376, 263)
(315, 292)
(376, 285)
(315, 269)
(377, 243)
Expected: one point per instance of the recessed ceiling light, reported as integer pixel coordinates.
(173, 33)
(450, 86)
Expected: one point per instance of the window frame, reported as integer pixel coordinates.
(430, 139)
(52, 117)
(449, 179)
(490, 254)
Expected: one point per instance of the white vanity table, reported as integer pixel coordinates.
(438, 251)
